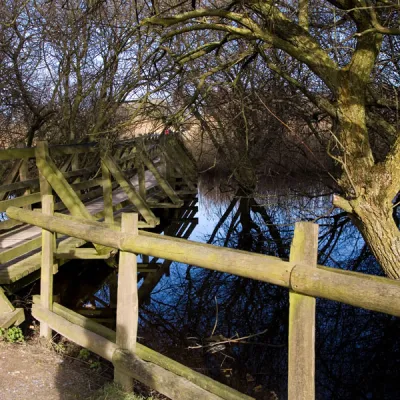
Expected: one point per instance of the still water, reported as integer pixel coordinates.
(234, 329)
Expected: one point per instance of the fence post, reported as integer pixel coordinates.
(41, 152)
(127, 301)
(142, 177)
(107, 184)
(107, 194)
(301, 377)
(46, 273)
(23, 176)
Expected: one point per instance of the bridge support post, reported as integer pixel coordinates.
(141, 177)
(301, 377)
(107, 194)
(47, 267)
(127, 301)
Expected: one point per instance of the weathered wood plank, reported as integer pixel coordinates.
(150, 355)
(42, 153)
(301, 375)
(80, 172)
(8, 224)
(256, 266)
(30, 183)
(23, 176)
(47, 267)
(84, 337)
(15, 317)
(17, 153)
(18, 251)
(165, 382)
(61, 149)
(63, 189)
(5, 304)
(114, 226)
(14, 272)
(130, 190)
(107, 193)
(81, 254)
(29, 152)
(86, 184)
(127, 301)
(34, 183)
(20, 201)
(181, 172)
(360, 290)
(141, 178)
(155, 204)
(177, 153)
(165, 186)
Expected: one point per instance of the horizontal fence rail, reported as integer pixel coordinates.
(353, 288)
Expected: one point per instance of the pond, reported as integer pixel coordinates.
(234, 329)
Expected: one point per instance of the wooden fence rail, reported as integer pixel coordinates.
(366, 291)
(300, 275)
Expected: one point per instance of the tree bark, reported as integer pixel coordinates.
(372, 213)
(376, 224)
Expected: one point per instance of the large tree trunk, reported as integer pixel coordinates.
(374, 219)
(369, 187)
(372, 213)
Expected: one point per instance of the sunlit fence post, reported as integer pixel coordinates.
(301, 378)
(46, 275)
(107, 194)
(127, 301)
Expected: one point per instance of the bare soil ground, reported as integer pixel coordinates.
(32, 371)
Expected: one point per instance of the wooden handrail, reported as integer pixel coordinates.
(357, 289)
(59, 149)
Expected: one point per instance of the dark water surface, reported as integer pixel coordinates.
(236, 330)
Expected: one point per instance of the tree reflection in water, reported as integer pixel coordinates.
(196, 315)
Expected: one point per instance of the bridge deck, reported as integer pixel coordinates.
(24, 265)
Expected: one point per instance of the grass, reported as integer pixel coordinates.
(111, 391)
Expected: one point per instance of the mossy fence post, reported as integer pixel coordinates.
(127, 301)
(301, 375)
(47, 267)
(41, 152)
(107, 186)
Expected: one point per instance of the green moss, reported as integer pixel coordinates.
(12, 335)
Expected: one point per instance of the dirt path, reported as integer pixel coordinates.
(33, 372)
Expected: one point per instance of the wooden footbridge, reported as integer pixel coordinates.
(95, 181)
(301, 275)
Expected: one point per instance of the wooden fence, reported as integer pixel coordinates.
(301, 275)
(82, 172)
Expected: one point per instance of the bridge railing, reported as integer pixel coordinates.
(78, 174)
(301, 275)
(19, 180)
(87, 169)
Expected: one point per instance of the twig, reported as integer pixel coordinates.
(216, 316)
(232, 340)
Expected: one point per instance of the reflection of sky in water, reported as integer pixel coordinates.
(285, 216)
(284, 213)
